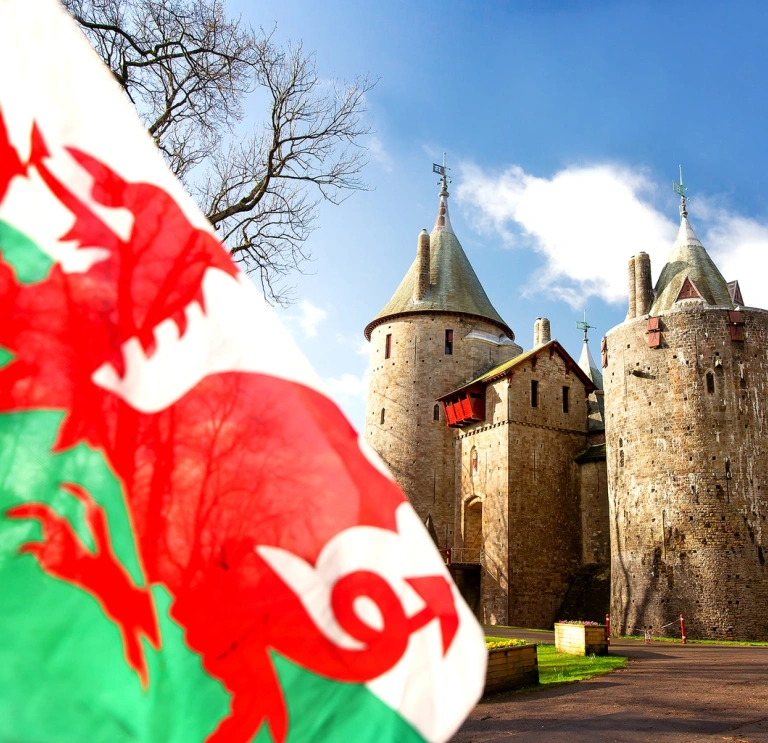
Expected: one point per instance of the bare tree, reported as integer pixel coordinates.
(190, 70)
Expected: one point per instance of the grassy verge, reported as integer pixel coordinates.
(527, 629)
(563, 668)
(560, 668)
(749, 643)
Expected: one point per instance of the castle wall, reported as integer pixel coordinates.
(417, 448)
(688, 474)
(529, 482)
(488, 484)
(593, 501)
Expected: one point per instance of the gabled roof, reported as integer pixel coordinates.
(454, 286)
(689, 259)
(501, 370)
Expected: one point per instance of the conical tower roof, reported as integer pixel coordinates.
(589, 367)
(690, 260)
(454, 286)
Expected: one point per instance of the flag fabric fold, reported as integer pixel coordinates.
(195, 545)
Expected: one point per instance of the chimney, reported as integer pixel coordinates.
(631, 309)
(643, 288)
(422, 269)
(541, 332)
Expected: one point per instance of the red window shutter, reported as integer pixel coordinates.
(653, 323)
(654, 339)
(737, 332)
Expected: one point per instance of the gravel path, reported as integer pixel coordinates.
(667, 692)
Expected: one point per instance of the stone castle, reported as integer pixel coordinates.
(540, 476)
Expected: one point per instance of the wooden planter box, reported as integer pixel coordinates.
(510, 668)
(579, 639)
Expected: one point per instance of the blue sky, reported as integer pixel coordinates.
(564, 123)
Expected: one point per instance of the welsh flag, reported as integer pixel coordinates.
(195, 545)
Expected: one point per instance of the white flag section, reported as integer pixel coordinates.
(276, 586)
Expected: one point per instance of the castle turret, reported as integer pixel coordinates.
(643, 284)
(632, 304)
(542, 332)
(430, 337)
(423, 268)
(687, 456)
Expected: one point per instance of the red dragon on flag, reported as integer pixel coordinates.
(195, 545)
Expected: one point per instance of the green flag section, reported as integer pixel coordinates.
(195, 544)
(313, 702)
(30, 263)
(63, 677)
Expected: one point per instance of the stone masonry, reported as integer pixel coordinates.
(688, 469)
(519, 466)
(417, 447)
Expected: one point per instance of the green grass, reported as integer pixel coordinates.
(561, 668)
(749, 643)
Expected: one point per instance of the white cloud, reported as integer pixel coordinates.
(739, 247)
(585, 222)
(350, 392)
(360, 345)
(310, 317)
(348, 386)
(379, 154)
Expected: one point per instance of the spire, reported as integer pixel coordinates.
(453, 286)
(586, 362)
(685, 235)
(689, 264)
(443, 221)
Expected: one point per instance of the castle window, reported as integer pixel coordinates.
(388, 346)
(382, 415)
(473, 460)
(534, 394)
(621, 458)
(566, 390)
(436, 413)
(710, 383)
(448, 342)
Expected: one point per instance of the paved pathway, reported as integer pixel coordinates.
(668, 692)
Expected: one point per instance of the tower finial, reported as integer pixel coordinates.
(442, 170)
(584, 326)
(681, 189)
(443, 222)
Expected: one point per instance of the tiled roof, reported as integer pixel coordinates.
(454, 286)
(689, 259)
(504, 368)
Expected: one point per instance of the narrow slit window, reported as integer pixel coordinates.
(448, 342)
(534, 394)
(710, 383)
(566, 390)
(436, 413)
(388, 346)
(382, 415)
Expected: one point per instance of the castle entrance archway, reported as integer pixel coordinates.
(473, 528)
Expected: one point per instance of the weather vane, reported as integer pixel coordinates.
(679, 188)
(443, 171)
(585, 326)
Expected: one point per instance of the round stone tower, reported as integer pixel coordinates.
(438, 331)
(685, 387)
